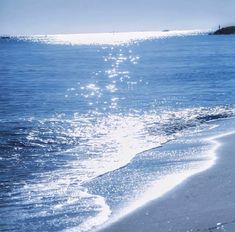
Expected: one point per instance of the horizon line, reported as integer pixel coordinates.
(108, 32)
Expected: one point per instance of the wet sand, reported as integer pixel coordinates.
(204, 202)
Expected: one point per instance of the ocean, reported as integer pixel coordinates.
(95, 126)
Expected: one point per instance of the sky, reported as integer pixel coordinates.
(25, 17)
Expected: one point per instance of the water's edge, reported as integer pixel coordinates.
(171, 182)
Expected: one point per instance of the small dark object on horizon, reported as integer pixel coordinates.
(225, 31)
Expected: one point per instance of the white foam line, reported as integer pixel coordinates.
(220, 136)
(91, 222)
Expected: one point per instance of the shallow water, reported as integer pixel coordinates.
(81, 124)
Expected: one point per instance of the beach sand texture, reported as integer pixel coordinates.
(205, 202)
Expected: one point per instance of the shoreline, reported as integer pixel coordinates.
(183, 208)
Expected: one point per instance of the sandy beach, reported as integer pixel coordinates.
(204, 202)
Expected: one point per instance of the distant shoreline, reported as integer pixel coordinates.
(225, 31)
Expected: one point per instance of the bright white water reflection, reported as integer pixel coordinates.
(108, 84)
(108, 38)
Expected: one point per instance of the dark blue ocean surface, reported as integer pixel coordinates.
(72, 115)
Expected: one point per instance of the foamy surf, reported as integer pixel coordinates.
(115, 38)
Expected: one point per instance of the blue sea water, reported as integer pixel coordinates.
(89, 131)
